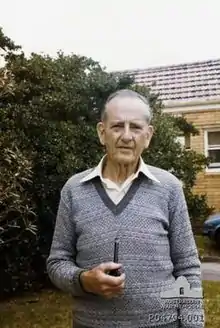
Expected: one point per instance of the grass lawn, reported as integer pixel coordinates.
(52, 309)
(206, 247)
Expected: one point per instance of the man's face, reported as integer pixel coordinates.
(125, 132)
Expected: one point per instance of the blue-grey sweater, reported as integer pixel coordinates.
(156, 245)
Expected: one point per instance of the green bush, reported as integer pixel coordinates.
(49, 108)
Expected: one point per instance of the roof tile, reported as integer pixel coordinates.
(182, 82)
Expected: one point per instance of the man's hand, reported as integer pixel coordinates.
(97, 280)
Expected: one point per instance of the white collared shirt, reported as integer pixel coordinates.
(117, 192)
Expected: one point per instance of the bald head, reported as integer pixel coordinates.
(128, 94)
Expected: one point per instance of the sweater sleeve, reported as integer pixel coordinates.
(185, 257)
(61, 267)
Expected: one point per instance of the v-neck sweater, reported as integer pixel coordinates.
(156, 245)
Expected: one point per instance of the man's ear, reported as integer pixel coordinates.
(101, 132)
(150, 132)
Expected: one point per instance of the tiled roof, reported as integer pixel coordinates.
(184, 82)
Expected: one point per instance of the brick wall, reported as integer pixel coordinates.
(208, 183)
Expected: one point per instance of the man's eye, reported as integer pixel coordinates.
(133, 127)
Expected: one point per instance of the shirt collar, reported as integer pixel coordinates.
(97, 171)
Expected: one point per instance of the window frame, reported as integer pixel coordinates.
(185, 141)
(206, 147)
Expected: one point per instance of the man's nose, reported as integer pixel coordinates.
(127, 134)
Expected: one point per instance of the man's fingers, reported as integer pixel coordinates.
(106, 285)
(113, 292)
(106, 267)
(113, 281)
(118, 287)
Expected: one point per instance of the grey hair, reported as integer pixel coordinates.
(124, 93)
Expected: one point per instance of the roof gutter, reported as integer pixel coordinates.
(192, 105)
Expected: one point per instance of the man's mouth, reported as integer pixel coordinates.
(124, 147)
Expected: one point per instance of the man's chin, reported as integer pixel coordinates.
(124, 159)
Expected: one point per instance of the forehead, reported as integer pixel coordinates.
(126, 109)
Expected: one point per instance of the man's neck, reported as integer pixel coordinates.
(116, 172)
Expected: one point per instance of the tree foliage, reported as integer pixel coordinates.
(49, 108)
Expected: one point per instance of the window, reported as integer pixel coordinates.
(212, 148)
(185, 141)
(181, 140)
(181, 290)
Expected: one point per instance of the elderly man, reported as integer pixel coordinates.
(140, 209)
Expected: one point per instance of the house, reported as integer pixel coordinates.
(192, 89)
(181, 289)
